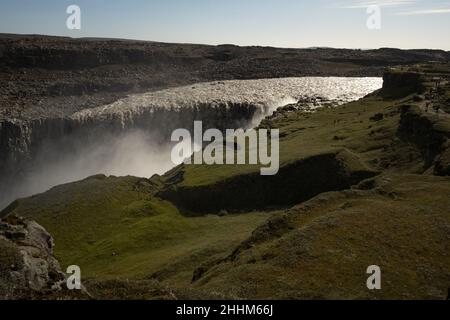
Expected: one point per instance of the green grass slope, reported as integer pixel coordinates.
(114, 228)
(322, 248)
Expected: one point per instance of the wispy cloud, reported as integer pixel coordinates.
(357, 4)
(409, 7)
(424, 12)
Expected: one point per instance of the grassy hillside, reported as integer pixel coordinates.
(114, 227)
(366, 183)
(322, 248)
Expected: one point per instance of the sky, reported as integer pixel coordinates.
(281, 23)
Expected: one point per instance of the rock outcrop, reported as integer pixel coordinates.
(398, 83)
(295, 183)
(28, 268)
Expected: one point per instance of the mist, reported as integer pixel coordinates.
(135, 153)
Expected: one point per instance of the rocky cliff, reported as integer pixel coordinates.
(28, 268)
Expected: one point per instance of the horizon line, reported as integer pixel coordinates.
(100, 38)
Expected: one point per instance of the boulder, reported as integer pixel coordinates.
(28, 269)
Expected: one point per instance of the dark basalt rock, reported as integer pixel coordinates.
(420, 129)
(400, 83)
(442, 166)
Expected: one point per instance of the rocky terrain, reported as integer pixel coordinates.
(28, 269)
(363, 184)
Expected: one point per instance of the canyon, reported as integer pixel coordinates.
(40, 153)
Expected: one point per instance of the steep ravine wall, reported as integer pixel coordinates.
(295, 183)
(400, 83)
(425, 132)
